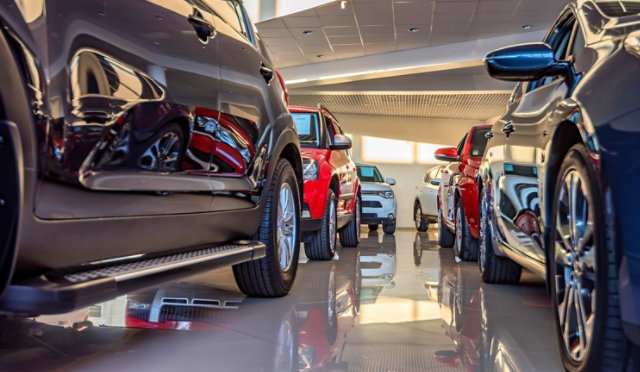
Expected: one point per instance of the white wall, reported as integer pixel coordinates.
(408, 176)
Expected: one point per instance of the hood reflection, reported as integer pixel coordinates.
(378, 265)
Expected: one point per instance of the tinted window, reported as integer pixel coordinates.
(369, 174)
(558, 41)
(307, 127)
(229, 11)
(432, 174)
(478, 142)
(461, 144)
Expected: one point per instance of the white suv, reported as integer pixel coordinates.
(378, 200)
(425, 206)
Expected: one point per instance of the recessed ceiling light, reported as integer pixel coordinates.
(307, 32)
(413, 29)
(343, 4)
(526, 27)
(320, 56)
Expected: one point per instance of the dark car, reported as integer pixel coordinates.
(458, 194)
(559, 179)
(140, 141)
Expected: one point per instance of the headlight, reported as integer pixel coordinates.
(310, 168)
(386, 194)
(132, 305)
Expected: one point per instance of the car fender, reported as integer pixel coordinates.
(467, 189)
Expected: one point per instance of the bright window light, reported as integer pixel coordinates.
(425, 152)
(293, 6)
(385, 150)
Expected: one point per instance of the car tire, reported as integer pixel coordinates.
(163, 152)
(607, 347)
(493, 268)
(268, 277)
(373, 227)
(350, 234)
(465, 246)
(389, 228)
(445, 237)
(322, 245)
(421, 224)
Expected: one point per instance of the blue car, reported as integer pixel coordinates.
(559, 180)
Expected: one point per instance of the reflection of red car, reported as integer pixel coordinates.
(458, 194)
(331, 187)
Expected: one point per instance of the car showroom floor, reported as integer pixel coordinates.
(397, 303)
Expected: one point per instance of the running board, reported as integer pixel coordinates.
(47, 295)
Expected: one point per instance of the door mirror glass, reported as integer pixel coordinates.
(524, 62)
(391, 181)
(446, 154)
(435, 181)
(340, 142)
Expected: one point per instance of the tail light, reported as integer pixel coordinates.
(285, 92)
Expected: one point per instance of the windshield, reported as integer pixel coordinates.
(369, 174)
(307, 127)
(478, 142)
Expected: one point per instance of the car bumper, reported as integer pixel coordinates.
(376, 209)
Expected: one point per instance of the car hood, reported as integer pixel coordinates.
(374, 186)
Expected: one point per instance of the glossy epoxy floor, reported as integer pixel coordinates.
(397, 303)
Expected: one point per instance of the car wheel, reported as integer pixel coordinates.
(273, 275)
(322, 245)
(493, 268)
(584, 273)
(445, 237)
(350, 234)
(421, 224)
(163, 153)
(389, 228)
(373, 227)
(465, 246)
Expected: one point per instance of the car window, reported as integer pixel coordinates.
(368, 173)
(307, 128)
(558, 40)
(431, 174)
(231, 13)
(478, 142)
(578, 46)
(460, 147)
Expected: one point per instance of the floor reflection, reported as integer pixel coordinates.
(397, 303)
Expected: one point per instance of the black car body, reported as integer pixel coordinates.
(559, 179)
(133, 130)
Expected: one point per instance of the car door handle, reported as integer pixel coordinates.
(204, 29)
(266, 73)
(488, 135)
(508, 128)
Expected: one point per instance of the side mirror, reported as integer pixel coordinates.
(340, 142)
(524, 62)
(391, 181)
(435, 181)
(447, 154)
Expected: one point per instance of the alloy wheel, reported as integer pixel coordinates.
(332, 227)
(574, 257)
(162, 155)
(458, 244)
(418, 217)
(482, 260)
(286, 227)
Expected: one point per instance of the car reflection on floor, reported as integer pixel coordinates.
(395, 303)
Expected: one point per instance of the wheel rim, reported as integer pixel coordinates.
(331, 303)
(418, 217)
(483, 233)
(332, 226)
(162, 155)
(286, 226)
(458, 245)
(575, 264)
(358, 219)
(285, 349)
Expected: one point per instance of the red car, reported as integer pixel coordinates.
(458, 212)
(331, 186)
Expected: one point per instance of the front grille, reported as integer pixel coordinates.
(369, 215)
(190, 314)
(371, 204)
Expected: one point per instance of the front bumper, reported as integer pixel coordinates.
(377, 209)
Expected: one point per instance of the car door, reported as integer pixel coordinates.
(249, 104)
(343, 165)
(123, 77)
(450, 174)
(517, 147)
(428, 192)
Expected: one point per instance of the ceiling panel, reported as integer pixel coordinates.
(439, 22)
(471, 105)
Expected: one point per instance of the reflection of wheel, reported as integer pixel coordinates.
(373, 227)
(421, 224)
(584, 274)
(322, 245)
(286, 353)
(273, 275)
(389, 228)
(350, 234)
(331, 314)
(163, 152)
(493, 268)
(445, 237)
(465, 246)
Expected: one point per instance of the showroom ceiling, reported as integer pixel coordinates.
(469, 105)
(367, 27)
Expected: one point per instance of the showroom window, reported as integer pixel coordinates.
(385, 150)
